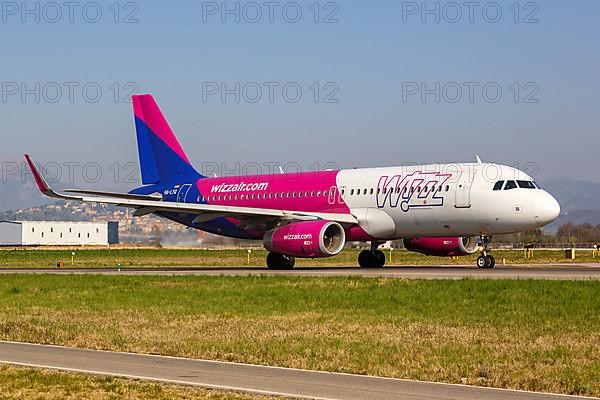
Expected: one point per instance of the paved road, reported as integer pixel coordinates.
(554, 272)
(248, 378)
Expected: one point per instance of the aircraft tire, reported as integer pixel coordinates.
(482, 262)
(280, 261)
(379, 258)
(366, 259)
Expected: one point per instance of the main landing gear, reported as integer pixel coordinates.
(280, 261)
(485, 260)
(372, 258)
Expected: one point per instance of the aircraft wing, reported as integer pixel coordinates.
(147, 204)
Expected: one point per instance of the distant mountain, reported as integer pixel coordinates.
(579, 201)
(15, 194)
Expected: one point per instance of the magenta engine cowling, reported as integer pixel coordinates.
(309, 239)
(442, 246)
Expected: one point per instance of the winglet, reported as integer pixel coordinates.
(41, 183)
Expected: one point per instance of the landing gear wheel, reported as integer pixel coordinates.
(379, 258)
(291, 261)
(485, 260)
(371, 259)
(280, 261)
(366, 259)
(482, 262)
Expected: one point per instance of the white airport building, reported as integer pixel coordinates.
(35, 233)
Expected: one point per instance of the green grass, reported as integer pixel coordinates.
(32, 257)
(531, 335)
(27, 383)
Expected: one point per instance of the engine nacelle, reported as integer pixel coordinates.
(310, 239)
(442, 246)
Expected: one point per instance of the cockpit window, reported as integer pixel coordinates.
(510, 185)
(537, 185)
(498, 185)
(526, 184)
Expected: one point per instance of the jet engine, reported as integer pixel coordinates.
(308, 239)
(442, 246)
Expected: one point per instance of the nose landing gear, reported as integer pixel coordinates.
(485, 260)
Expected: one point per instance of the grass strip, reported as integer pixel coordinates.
(530, 335)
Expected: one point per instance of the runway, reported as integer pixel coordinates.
(285, 382)
(542, 272)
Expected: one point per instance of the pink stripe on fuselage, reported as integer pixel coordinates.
(315, 189)
(146, 109)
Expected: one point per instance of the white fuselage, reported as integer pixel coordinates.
(445, 200)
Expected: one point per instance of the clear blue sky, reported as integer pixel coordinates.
(373, 54)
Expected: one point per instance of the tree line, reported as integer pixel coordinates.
(565, 234)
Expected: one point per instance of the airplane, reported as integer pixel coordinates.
(438, 209)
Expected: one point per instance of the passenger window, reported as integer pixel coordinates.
(351, 192)
(498, 185)
(364, 191)
(447, 188)
(371, 190)
(510, 185)
(526, 184)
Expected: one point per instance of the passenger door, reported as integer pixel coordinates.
(463, 186)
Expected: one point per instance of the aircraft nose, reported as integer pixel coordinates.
(547, 209)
